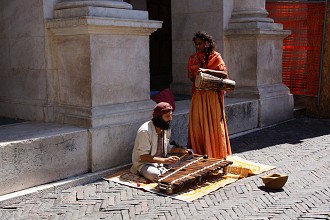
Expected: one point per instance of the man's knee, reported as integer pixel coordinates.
(150, 172)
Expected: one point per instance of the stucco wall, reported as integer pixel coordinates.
(188, 17)
(25, 71)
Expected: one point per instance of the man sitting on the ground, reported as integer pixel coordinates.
(152, 145)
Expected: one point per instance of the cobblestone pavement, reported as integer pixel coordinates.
(299, 148)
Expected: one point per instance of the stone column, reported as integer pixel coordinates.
(254, 59)
(101, 53)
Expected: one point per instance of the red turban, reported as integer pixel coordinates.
(161, 108)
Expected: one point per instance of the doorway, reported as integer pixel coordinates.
(160, 45)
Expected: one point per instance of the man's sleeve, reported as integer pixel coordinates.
(143, 143)
(169, 146)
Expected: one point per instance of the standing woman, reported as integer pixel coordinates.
(208, 133)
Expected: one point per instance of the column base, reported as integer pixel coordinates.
(107, 115)
(275, 102)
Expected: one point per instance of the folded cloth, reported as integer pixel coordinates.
(164, 96)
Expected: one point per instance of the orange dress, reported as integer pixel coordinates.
(208, 133)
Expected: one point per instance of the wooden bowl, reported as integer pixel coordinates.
(275, 180)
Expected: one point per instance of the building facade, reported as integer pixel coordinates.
(79, 71)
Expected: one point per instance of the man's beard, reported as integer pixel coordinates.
(160, 123)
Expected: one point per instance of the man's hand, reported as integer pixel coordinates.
(184, 151)
(177, 150)
(171, 160)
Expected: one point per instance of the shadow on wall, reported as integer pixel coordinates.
(6, 121)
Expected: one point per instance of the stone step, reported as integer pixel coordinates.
(35, 153)
(241, 115)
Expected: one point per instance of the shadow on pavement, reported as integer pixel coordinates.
(291, 132)
(263, 188)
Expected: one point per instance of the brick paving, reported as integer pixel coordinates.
(299, 148)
